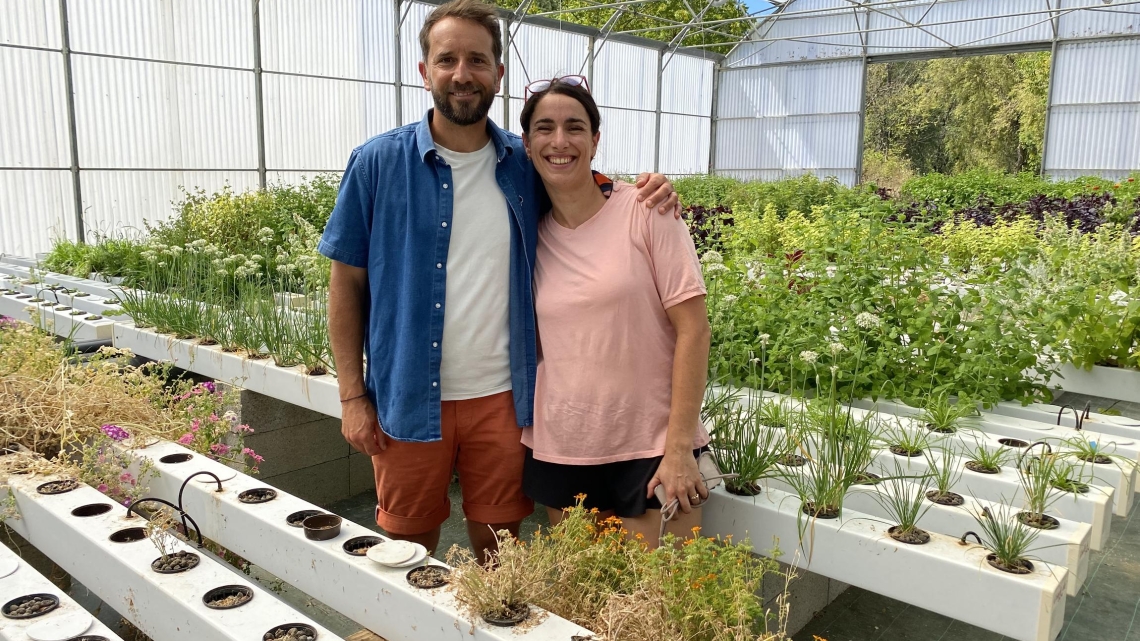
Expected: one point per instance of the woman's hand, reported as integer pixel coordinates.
(679, 475)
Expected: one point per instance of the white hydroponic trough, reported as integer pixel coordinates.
(1117, 383)
(59, 322)
(1055, 414)
(18, 579)
(377, 598)
(164, 606)
(289, 384)
(942, 576)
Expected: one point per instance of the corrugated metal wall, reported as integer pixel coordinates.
(1094, 118)
(789, 100)
(790, 119)
(166, 100)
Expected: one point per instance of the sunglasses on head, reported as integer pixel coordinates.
(539, 86)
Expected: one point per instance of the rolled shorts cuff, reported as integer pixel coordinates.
(495, 514)
(409, 525)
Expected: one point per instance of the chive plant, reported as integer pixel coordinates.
(1037, 474)
(839, 449)
(942, 416)
(904, 498)
(1007, 539)
(905, 442)
(945, 472)
(985, 460)
(744, 446)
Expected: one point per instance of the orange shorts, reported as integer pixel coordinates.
(482, 442)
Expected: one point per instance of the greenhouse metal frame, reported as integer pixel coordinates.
(111, 106)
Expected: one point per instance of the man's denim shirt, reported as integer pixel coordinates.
(393, 217)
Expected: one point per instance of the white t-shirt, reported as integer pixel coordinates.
(476, 322)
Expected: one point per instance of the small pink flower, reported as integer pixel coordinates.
(186, 439)
(245, 428)
(253, 455)
(195, 424)
(214, 418)
(126, 477)
(102, 488)
(221, 449)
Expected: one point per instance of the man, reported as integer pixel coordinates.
(433, 243)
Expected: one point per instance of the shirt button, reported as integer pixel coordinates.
(439, 265)
(434, 384)
(445, 224)
(434, 344)
(445, 185)
(437, 305)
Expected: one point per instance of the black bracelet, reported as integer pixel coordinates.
(354, 398)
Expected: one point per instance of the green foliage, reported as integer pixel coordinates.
(903, 498)
(1005, 536)
(955, 114)
(663, 20)
(706, 191)
(954, 192)
(108, 256)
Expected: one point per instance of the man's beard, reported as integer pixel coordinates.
(465, 113)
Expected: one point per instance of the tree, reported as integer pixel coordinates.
(668, 18)
(954, 114)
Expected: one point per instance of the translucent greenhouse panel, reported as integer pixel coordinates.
(1094, 120)
(313, 124)
(155, 115)
(513, 122)
(796, 37)
(297, 177)
(215, 32)
(626, 146)
(120, 202)
(33, 110)
(784, 90)
(416, 103)
(414, 13)
(963, 23)
(788, 120)
(545, 53)
(684, 144)
(625, 75)
(686, 85)
(36, 207)
(31, 23)
(1100, 21)
(332, 38)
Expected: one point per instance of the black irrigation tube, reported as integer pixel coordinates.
(181, 512)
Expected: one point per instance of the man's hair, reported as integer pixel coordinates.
(557, 87)
(473, 10)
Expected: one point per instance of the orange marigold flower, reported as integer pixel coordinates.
(639, 536)
(696, 528)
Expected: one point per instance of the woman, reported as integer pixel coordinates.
(623, 334)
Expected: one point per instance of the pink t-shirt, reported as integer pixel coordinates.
(606, 370)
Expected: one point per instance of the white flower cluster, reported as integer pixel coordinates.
(728, 299)
(867, 320)
(712, 257)
(809, 356)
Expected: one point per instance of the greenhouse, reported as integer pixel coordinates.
(612, 320)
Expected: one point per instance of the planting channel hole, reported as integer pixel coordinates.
(258, 495)
(914, 537)
(57, 487)
(175, 563)
(975, 466)
(867, 478)
(742, 489)
(89, 637)
(1013, 442)
(824, 512)
(175, 458)
(1075, 487)
(129, 535)
(515, 614)
(359, 545)
(295, 519)
(227, 597)
(1039, 521)
(94, 317)
(793, 460)
(291, 632)
(1098, 459)
(1023, 566)
(902, 451)
(952, 499)
(91, 509)
(30, 606)
(427, 577)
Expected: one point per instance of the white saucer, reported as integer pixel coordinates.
(8, 565)
(61, 627)
(393, 552)
(420, 555)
